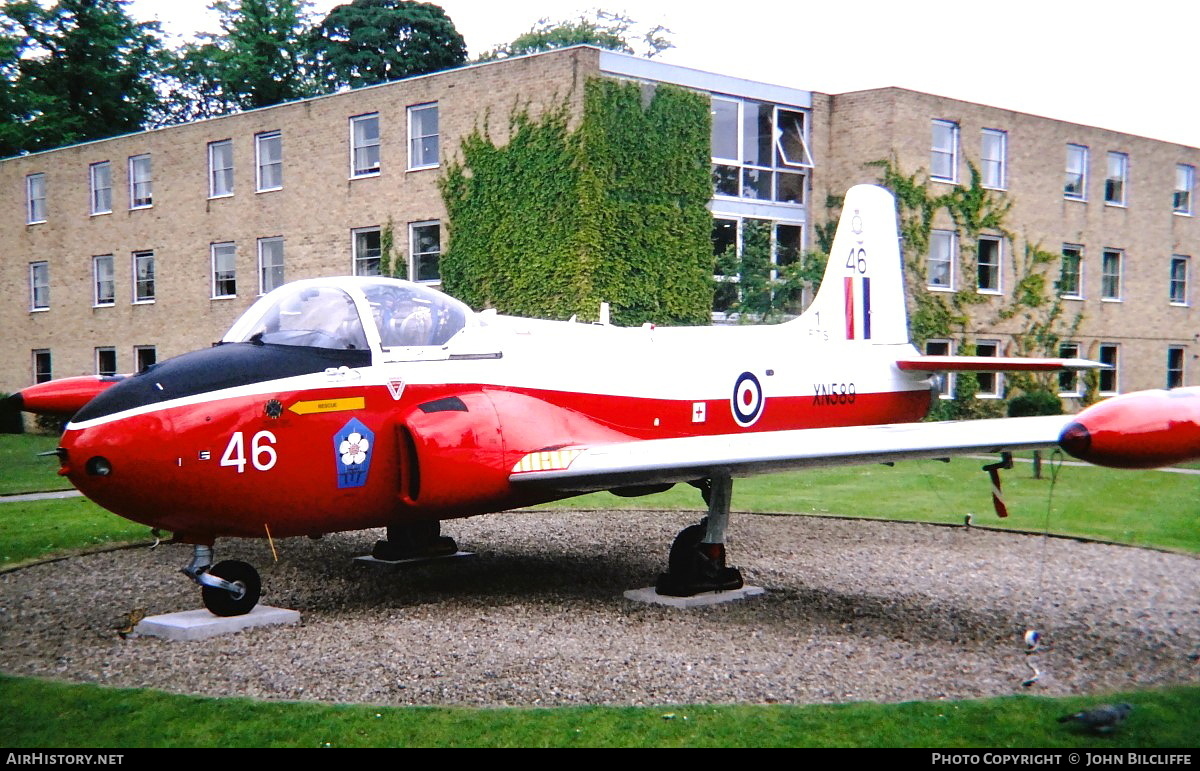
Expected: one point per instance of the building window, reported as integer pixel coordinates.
(940, 268)
(1077, 163)
(141, 188)
(43, 370)
(759, 151)
(1179, 271)
(106, 362)
(777, 242)
(39, 286)
(220, 168)
(104, 282)
(1118, 174)
(224, 270)
(423, 136)
(1068, 380)
(1174, 367)
(990, 383)
(364, 145)
(426, 244)
(268, 153)
(993, 155)
(270, 264)
(1110, 275)
(944, 155)
(1185, 182)
(943, 384)
(146, 357)
(989, 264)
(367, 252)
(1108, 377)
(1070, 282)
(100, 176)
(143, 277)
(35, 198)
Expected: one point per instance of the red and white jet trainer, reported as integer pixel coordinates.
(347, 403)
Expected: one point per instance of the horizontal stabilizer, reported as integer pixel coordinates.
(993, 364)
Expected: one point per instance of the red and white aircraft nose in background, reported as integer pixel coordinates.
(348, 403)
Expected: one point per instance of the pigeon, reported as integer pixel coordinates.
(1101, 720)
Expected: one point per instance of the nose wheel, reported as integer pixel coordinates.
(229, 588)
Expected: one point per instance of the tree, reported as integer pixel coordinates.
(602, 28)
(80, 70)
(374, 41)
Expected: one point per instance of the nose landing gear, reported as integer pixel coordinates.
(229, 588)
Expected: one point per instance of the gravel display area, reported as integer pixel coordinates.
(854, 610)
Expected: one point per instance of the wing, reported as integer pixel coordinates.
(600, 467)
(993, 364)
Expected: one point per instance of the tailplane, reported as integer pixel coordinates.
(862, 294)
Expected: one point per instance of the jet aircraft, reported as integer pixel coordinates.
(348, 403)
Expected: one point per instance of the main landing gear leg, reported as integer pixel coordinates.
(414, 540)
(229, 588)
(697, 560)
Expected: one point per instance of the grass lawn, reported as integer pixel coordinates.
(23, 471)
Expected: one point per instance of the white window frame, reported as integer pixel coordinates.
(1182, 352)
(991, 348)
(39, 286)
(1182, 283)
(1106, 274)
(224, 272)
(1069, 350)
(1062, 291)
(779, 163)
(950, 239)
(220, 168)
(937, 151)
(42, 374)
(141, 185)
(1000, 164)
(99, 206)
(138, 297)
(139, 357)
(945, 382)
(999, 242)
(1114, 372)
(263, 267)
(356, 259)
(98, 300)
(416, 142)
(1185, 186)
(263, 141)
(1079, 152)
(1121, 177)
(372, 170)
(101, 351)
(35, 198)
(413, 255)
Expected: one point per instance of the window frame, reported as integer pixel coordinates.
(732, 283)
(999, 265)
(413, 255)
(101, 352)
(355, 147)
(94, 189)
(1185, 186)
(415, 141)
(98, 300)
(138, 184)
(944, 382)
(1113, 373)
(356, 259)
(1001, 163)
(35, 198)
(42, 374)
(935, 151)
(1176, 381)
(139, 297)
(950, 238)
(224, 276)
(139, 357)
(39, 286)
(1069, 349)
(996, 391)
(262, 267)
(260, 140)
(1182, 295)
(1081, 153)
(1062, 291)
(1110, 196)
(1105, 275)
(749, 175)
(220, 178)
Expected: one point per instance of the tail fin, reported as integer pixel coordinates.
(862, 294)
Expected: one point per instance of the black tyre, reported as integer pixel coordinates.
(682, 559)
(223, 603)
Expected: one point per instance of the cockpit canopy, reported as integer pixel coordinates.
(352, 314)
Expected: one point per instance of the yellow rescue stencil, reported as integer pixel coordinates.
(328, 405)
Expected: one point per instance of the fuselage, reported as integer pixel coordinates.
(292, 431)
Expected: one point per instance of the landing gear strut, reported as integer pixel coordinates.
(697, 560)
(229, 588)
(414, 541)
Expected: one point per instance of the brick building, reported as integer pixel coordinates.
(123, 251)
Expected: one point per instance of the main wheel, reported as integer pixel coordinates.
(221, 602)
(682, 557)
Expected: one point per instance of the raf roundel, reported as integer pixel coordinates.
(747, 401)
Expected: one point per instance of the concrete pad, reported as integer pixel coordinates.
(413, 560)
(650, 596)
(200, 624)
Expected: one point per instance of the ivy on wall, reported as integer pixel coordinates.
(560, 218)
